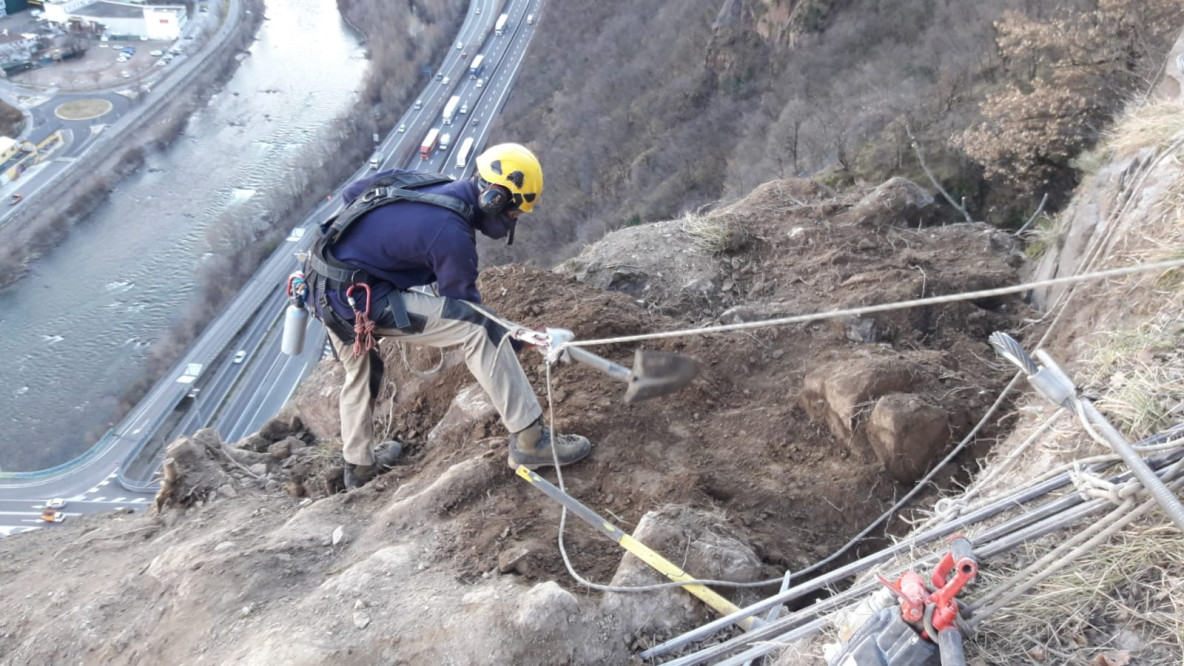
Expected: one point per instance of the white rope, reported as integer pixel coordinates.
(885, 307)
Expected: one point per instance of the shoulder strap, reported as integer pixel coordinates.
(391, 189)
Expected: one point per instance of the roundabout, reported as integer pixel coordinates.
(83, 109)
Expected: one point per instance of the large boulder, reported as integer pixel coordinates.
(699, 542)
(907, 434)
(895, 202)
(841, 393)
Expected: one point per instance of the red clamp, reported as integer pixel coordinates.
(933, 608)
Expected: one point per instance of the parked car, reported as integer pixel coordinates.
(240, 356)
(56, 503)
(51, 516)
(156, 54)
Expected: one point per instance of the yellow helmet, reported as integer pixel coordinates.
(515, 168)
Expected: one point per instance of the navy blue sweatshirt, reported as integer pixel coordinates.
(408, 244)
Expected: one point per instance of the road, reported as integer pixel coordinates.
(236, 399)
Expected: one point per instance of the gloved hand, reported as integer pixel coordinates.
(556, 338)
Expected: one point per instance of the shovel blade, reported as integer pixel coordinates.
(659, 373)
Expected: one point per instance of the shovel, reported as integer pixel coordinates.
(654, 373)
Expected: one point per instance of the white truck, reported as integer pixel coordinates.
(462, 156)
(450, 109)
(500, 26)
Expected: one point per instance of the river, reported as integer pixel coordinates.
(76, 331)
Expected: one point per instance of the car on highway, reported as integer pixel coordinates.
(480, 83)
(477, 120)
(240, 356)
(445, 80)
(464, 54)
(126, 75)
(418, 104)
(15, 199)
(402, 127)
(460, 46)
(56, 503)
(51, 516)
(464, 108)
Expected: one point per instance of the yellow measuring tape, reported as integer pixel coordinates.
(639, 549)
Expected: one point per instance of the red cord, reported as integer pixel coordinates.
(363, 327)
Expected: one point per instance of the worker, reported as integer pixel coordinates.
(404, 229)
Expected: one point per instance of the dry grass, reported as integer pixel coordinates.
(1124, 595)
(1154, 124)
(707, 234)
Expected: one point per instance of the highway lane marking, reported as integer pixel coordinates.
(139, 499)
(99, 499)
(92, 490)
(119, 499)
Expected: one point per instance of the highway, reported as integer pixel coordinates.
(206, 388)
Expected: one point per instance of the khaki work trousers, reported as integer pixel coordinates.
(437, 321)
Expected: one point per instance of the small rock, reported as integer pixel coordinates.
(227, 490)
(280, 450)
(509, 559)
(361, 620)
(246, 610)
(338, 534)
(258, 469)
(359, 604)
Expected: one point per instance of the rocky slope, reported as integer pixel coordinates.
(789, 438)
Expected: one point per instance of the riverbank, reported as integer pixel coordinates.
(39, 226)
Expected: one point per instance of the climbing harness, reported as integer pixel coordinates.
(325, 272)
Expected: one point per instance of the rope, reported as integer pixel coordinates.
(886, 307)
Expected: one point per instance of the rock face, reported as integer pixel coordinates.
(657, 264)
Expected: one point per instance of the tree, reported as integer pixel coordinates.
(1068, 75)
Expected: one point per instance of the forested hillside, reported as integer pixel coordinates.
(643, 109)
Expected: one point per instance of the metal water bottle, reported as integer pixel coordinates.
(295, 316)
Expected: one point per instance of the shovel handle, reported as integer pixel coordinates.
(603, 364)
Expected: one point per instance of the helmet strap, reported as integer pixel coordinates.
(510, 236)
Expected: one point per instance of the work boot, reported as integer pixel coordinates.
(532, 447)
(387, 454)
(385, 457)
(356, 476)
